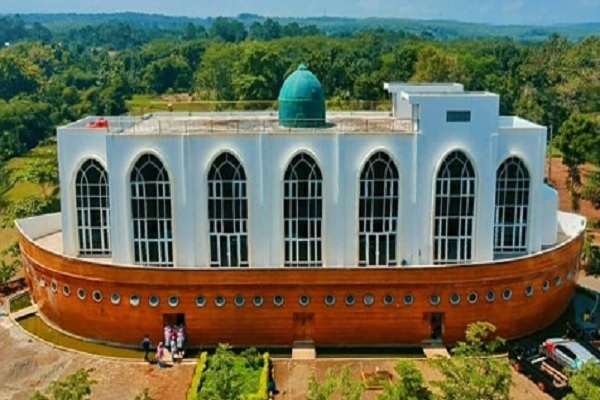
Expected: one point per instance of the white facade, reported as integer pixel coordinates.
(417, 151)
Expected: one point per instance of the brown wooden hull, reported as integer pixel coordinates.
(337, 325)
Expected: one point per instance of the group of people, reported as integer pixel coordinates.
(174, 343)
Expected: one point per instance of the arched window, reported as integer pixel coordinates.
(378, 211)
(303, 212)
(454, 210)
(512, 207)
(151, 212)
(228, 213)
(93, 212)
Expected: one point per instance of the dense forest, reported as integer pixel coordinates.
(51, 76)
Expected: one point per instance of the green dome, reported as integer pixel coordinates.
(302, 100)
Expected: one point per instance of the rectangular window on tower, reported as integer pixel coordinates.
(458, 116)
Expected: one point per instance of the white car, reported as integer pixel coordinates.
(568, 353)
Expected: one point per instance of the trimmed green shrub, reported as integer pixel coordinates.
(192, 393)
(262, 392)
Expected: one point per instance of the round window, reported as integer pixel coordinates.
(330, 300)
(134, 300)
(153, 301)
(115, 298)
(529, 291)
(239, 300)
(219, 301)
(388, 299)
(409, 299)
(455, 298)
(81, 294)
(434, 299)
(369, 299)
(490, 296)
(173, 301)
(42, 282)
(258, 301)
(97, 296)
(200, 301)
(507, 294)
(54, 286)
(472, 298)
(350, 300)
(304, 300)
(569, 275)
(558, 281)
(66, 290)
(278, 300)
(546, 285)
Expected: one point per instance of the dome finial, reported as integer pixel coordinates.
(302, 67)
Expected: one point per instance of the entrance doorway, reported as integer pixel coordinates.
(173, 319)
(304, 327)
(436, 325)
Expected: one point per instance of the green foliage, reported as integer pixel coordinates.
(27, 207)
(576, 137)
(192, 393)
(42, 171)
(77, 386)
(263, 389)
(585, 383)
(410, 384)
(591, 189)
(337, 384)
(8, 270)
(471, 373)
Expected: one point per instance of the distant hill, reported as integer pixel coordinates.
(440, 29)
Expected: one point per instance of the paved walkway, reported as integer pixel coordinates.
(590, 282)
(28, 365)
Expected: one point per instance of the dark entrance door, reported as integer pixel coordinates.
(304, 327)
(436, 324)
(173, 319)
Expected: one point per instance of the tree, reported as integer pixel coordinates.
(337, 384)
(591, 189)
(585, 383)
(77, 386)
(222, 379)
(227, 29)
(435, 65)
(471, 374)
(410, 384)
(8, 271)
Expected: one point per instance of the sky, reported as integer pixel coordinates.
(538, 12)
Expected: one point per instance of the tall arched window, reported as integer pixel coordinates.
(228, 213)
(151, 212)
(93, 213)
(378, 211)
(512, 207)
(454, 210)
(303, 212)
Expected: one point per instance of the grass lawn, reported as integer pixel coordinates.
(19, 191)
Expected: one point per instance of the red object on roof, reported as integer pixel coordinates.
(99, 123)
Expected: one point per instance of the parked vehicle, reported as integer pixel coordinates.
(542, 370)
(568, 353)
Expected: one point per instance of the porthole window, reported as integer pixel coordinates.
(81, 294)
(258, 301)
(409, 299)
(42, 282)
(239, 300)
(278, 300)
(134, 300)
(219, 301)
(546, 286)
(369, 299)
(529, 291)
(115, 298)
(434, 299)
(558, 281)
(472, 297)
(173, 301)
(490, 296)
(304, 300)
(66, 290)
(153, 301)
(569, 275)
(329, 300)
(455, 298)
(54, 286)
(200, 301)
(350, 300)
(388, 299)
(97, 296)
(507, 294)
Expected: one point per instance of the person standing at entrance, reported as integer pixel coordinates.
(146, 347)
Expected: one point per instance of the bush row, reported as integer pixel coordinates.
(192, 393)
